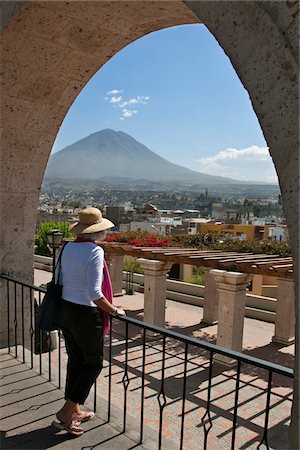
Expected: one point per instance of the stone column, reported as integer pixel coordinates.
(257, 285)
(285, 320)
(115, 267)
(155, 286)
(211, 299)
(232, 301)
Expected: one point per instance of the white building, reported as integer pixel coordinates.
(161, 228)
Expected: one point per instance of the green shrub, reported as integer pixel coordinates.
(189, 240)
(41, 247)
(130, 264)
(129, 291)
(268, 247)
(197, 277)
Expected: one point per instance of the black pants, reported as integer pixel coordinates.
(83, 332)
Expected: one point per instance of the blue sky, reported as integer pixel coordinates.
(176, 92)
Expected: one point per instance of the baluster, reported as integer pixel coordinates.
(125, 379)
(95, 396)
(237, 387)
(143, 386)
(109, 369)
(31, 329)
(22, 324)
(207, 413)
(265, 435)
(161, 396)
(41, 338)
(59, 359)
(49, 352)
(8, 316)
(16, 320)
(183, 395)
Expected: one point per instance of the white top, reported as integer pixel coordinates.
(81, 272)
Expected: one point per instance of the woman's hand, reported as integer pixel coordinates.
(105, 305)
(118, 312)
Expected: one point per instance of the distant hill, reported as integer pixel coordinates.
(114, 155)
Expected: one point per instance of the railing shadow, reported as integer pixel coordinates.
(39, 439)
(269, 352)
(223, 384)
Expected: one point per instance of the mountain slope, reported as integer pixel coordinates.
(112, 154)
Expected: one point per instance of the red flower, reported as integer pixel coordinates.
(113, 237)
(139, 239)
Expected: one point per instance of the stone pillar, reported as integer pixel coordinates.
(232, 301)
(211, 299)
(155, 286)
(115, 267)
(257, 285)
(285, 321)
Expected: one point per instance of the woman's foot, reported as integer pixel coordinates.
(72, 427)
(67, 412)
(66, 418)
(83, 416)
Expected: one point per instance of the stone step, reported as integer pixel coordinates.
(28, 406)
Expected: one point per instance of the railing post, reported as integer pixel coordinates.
(155, 286)
(211, 299)
(115, 267)
(285, 319)
(232, 301)
(5, 318)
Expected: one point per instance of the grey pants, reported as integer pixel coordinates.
(82, 327)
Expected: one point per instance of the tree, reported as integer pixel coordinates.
(41, 247)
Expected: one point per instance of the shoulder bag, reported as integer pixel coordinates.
(48, 311)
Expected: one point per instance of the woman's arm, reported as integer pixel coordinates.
(95, 277)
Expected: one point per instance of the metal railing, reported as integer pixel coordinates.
(37, 341)
(17, 293)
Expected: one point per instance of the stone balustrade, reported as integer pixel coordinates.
(224, 300)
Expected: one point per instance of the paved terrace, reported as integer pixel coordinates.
(29, 409)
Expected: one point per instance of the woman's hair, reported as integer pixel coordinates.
(98, 236)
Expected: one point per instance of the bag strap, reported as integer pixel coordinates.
(58, 264)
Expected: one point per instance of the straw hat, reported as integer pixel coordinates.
(91, 221)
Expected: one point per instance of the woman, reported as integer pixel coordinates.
(84, 308)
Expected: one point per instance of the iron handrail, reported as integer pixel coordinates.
(15, 280)
(281, 370)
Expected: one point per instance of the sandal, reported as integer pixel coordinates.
(85, 416)
(71, 428)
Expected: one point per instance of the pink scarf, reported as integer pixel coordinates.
(108, 293)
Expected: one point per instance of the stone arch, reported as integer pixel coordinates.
(49, 51)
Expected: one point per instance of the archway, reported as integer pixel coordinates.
(51, 49)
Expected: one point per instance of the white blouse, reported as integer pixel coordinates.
(81, 272)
